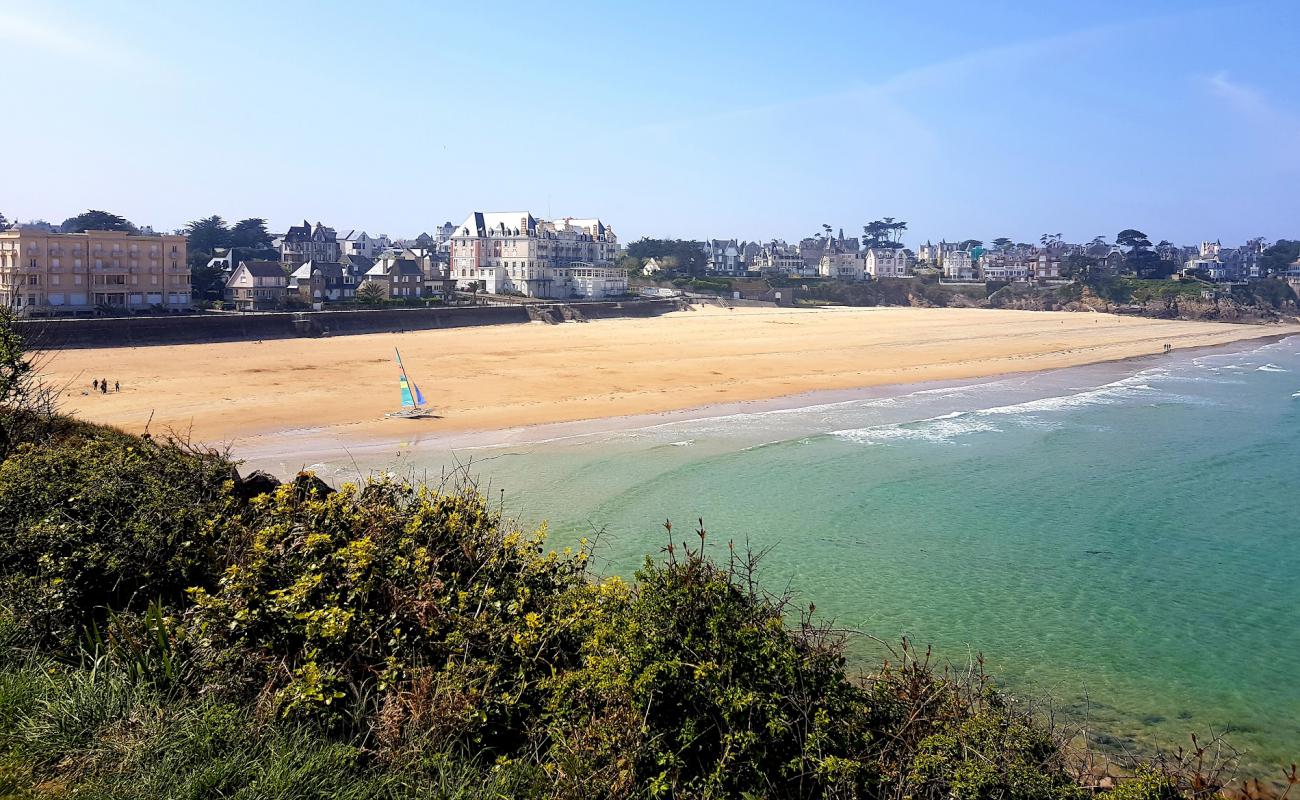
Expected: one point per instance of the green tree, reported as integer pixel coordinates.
(1002, 243)
(883, 233)
(250, 234)
(207, 234)
(1051, 240)
(688, 254)
(1080, 268)
(16, 374)
(1133, 239)
(1281, 255)
(95, 220)
(4, 223)
(371, 293)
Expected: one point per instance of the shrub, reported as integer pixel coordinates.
(692, 685)
(390, 611)
(96, 520)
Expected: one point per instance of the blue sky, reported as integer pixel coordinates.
(691, 119)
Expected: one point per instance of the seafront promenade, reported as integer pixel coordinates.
(108, 332)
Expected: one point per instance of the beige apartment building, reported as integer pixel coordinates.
(516, 253)
(43, 273)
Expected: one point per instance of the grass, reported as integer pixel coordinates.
(92, 732)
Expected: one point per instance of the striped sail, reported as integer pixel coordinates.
(412, 397)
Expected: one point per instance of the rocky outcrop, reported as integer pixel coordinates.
(256, 484)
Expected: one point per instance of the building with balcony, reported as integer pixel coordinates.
(842, 266)
(959, 265)
(44, 273)
(516, 253)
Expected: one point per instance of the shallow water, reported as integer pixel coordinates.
(1123, 538)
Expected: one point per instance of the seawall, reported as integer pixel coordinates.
(233, 327)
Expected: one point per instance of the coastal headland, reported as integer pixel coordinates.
(497, 377)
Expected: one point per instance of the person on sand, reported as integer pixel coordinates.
(103, 387)
(95, 383)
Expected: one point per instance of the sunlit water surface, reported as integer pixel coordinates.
(1123, 538)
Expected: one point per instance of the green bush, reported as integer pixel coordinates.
(388, 610)
(692, 685)
(97, 520)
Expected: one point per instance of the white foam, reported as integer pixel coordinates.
(940, 430)
(1270, 368)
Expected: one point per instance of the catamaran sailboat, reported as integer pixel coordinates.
(413, 402)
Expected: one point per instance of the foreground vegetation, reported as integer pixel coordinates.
(170, 629)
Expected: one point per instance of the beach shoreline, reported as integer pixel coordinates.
(320, 445)
(514, 383)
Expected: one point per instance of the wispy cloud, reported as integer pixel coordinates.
(884, 98)
(27, 32)
(1274, 123)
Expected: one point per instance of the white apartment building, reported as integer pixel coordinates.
(68, 273)
(842, 266)
(958, 265)
(516, 253)
(885, 262)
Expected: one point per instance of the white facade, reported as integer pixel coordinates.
(887, 263)
(958, 265)
(593, 282)
(516, 253)
(842, 266)
(360, 243)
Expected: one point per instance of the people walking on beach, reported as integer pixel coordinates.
(117, 386)
(95, 383)
(103, 385)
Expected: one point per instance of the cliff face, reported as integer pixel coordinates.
(1252, 310)
(1219, 309)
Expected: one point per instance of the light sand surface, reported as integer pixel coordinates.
(505, 376)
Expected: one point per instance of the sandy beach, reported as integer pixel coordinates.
(507, 376)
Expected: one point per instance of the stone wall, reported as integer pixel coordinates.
(231, 327)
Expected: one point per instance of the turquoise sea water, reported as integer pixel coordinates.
(1122, 538)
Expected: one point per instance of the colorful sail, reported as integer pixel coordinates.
(412, 397)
